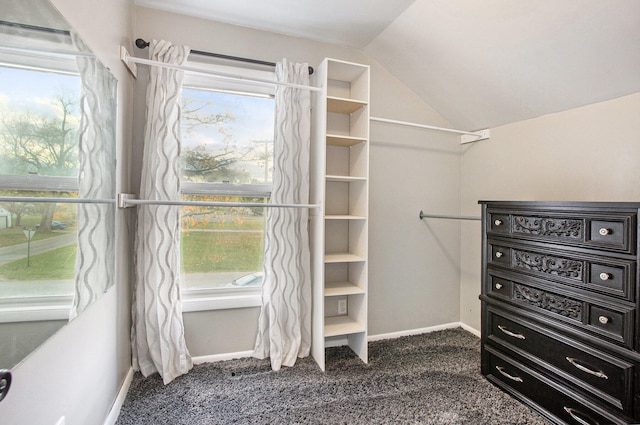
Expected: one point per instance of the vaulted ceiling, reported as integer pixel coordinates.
(479, 63)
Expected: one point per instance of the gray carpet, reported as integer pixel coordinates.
(425, 379)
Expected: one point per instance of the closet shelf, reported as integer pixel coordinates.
(343, 258)
(345, 179)
(335, 289)
(344, 217)
(344, 141)
(341, 325)
(341, 105)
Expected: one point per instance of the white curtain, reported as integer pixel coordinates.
(284, 332)
(158, 332)
(96, 180)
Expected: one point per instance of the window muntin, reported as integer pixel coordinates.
(227, 156)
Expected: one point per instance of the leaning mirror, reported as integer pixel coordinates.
(57, 176)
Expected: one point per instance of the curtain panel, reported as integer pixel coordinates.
(96, 180)
(158, 343)
(284, 330)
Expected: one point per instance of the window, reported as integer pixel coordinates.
(227, 156)
(38, 157)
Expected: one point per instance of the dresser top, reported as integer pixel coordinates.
(563, 205)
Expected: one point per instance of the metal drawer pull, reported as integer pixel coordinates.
(499, 254)
(508, 332)
(604, 231)
(498, 285)
(498, 222)
(603, 319)
(576, 363)
(513, 378)
(605, 276)
(572, 413)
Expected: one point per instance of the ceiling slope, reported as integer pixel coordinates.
(351, 23)
(485, 63)
(480, 64)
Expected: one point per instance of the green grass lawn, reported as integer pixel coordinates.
(246, 223)
(201, 252)
(55, 264)
(220, 251)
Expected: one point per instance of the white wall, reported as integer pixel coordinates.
(414, 265)
(585, 154)
(78, 372)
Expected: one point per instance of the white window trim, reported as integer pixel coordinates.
(220, 299)
(34, 309)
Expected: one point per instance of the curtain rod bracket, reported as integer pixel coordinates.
(131, 66)
(142, 44)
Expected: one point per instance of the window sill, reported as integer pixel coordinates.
(207, 300)
(34, 309)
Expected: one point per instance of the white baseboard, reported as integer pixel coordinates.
(418, 331)
(117, 404)
(343, 341)
(470, 329)
(221, 357)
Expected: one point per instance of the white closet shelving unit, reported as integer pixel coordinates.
(340, 184)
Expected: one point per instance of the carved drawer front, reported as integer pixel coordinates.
(570, 229)
(609, 322)
(585, 368)
(557, 400)
(610, 232)
(609, 276)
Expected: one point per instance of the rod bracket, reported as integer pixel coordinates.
(479, 135)
(122, 200)
(131, 66)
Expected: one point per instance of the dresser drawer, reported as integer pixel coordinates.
(612, 232)
(549, 397)
(611, 322)
(605, 275)
(606, 377)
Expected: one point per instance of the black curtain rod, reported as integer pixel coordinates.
(35, 28)
(141, 44)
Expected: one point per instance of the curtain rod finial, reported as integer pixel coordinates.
(141, 44)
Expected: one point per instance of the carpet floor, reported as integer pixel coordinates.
(425, 379)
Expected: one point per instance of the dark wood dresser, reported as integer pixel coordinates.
(560, 295)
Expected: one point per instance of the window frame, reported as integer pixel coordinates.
(47, 60)
(208, 299)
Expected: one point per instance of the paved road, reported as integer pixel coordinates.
(17, 252)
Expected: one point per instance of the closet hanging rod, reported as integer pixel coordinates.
(448, 217)
(58, 200)
(125, 201)
(130, 62)
(141, 44)
(467, 136)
